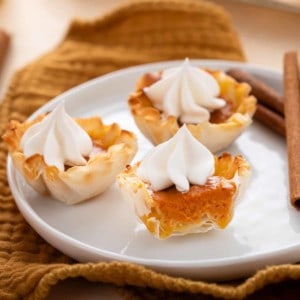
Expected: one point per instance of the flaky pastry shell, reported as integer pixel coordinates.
(158, 127)
(169, 212)
(77, 183)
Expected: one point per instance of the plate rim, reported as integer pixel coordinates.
(203, 62)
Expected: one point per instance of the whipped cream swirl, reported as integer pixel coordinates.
(187, 93)
(59, 139)
(180, 161)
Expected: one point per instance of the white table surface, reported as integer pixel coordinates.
(36, 26)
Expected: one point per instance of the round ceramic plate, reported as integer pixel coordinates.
(265, 229)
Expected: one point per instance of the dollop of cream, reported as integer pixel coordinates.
(186, 92)
(59, 139)
(180, 161)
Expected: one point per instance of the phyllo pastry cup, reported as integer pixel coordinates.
(222, 128)
(113, 148)
(204, 207)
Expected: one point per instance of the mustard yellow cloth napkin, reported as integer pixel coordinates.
(138, 32)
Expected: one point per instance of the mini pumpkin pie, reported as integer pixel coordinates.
(71, 159)
(180, 187)
(214, 106)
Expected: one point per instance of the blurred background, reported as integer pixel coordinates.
(266, 27)
(290, 5)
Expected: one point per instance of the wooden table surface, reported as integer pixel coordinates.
(36, 26)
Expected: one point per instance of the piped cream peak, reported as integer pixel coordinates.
(180, 161)
(59, 139)
(186, 92)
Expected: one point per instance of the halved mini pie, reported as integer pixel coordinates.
(203, 207)
(177, 210)
(166, 100)
(70, 179)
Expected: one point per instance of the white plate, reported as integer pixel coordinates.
(265, 229)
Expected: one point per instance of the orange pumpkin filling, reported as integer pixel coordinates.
(177, 211)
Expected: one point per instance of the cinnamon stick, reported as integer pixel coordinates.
(4, 44)
(263, 92)
(292, 120)
(270, 118)
(270, 104)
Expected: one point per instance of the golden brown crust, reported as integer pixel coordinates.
(76, 183)
(158, 128)
(211, 206)
(227, 166)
